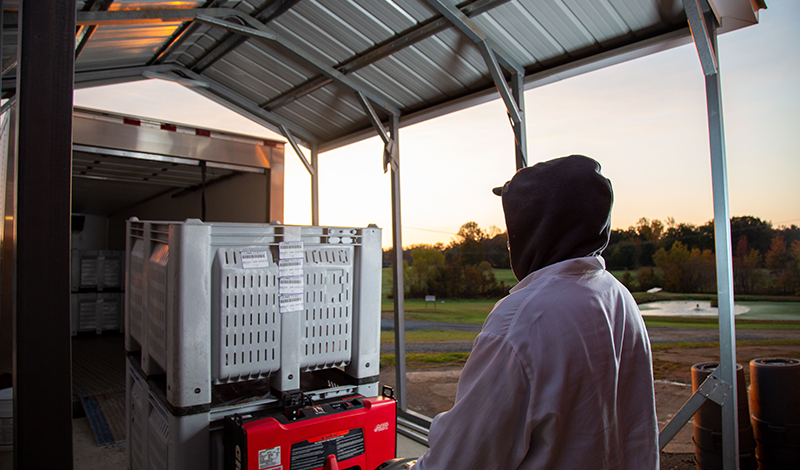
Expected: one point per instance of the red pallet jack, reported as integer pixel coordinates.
(345, 433)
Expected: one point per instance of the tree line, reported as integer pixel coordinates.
(681, 257)
(676, 257)
(462, 269)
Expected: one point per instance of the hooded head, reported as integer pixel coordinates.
(556, 210)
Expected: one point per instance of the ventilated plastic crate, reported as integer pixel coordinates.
(138, 412)
(96, 312)
(165, 438)
(214, 303)
(97, 269)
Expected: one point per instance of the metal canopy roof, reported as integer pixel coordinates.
(315, 67)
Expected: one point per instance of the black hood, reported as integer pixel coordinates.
(556, 210)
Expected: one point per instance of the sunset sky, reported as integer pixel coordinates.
(643, 120)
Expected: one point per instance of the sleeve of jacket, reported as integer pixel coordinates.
(489, 425)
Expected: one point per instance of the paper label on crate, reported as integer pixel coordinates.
(291, 303)
(269, 458)
(290, 250)
(290, 285)
(290, 267)
(254, 259)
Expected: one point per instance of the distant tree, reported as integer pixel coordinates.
(649, 278)
(627, 280)
(496, 251)
(425, 272)
(684, 233)
(686, 270)
(705, 237)
(649, 230)
(745, 261)
(468, 244)
(758, 233)
(784, 265)
(646, 251)
(623, 255)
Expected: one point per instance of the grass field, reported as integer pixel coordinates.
(780, 313)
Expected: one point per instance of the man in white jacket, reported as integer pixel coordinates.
(561, 375)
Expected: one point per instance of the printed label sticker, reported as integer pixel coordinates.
(269, 457)
(290, 267)
(290, 285)
(291, 303)
(254, 259)
(290, 250)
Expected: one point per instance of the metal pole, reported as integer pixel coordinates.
(315, 184)
(520, 138)
(397, 269)
(703, 24)
(722, 238)
(42, 361)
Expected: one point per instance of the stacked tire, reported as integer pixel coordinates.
(708, 425)
(775, 405)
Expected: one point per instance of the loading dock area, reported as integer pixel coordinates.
(323, 76)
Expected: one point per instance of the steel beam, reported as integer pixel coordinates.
(489, 57)
(476, 34)
(705, 37)
(722, 241)
(178, 37)
(42, 332)
(158, 15)
(243, 105)
(702, 36)
(187, 82)
(309, 167)
(257, 30)
(394, 44)
(271, 12)
(93, 78)
(397, 279)
(712, 389)
(389, 145)
(520, 131)
(86, 32)
(315, 185)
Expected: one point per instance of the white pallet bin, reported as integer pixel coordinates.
(203, 304)
(160, 439)
(96, 312)
(97, 269)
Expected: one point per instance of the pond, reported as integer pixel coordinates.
(745, 310)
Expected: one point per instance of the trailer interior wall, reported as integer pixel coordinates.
(242, 198)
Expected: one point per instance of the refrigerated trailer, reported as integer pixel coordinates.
(124, 166)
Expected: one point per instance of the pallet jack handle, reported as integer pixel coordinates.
(331, 463)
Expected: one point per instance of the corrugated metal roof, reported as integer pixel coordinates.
(403, 54)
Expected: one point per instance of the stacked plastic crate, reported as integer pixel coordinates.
(97, 291)
(225, 318)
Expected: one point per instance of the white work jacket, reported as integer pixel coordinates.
(560, 377)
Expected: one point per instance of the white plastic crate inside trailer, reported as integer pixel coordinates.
(229, 302)
(97, 269)
(96, 312)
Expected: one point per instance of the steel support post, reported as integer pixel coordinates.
(722, 241)
(703, 24)
(520, 134)
(397, 270)
(42, 360)
(315, 184)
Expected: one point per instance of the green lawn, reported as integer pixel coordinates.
(451, 311)
(430, 336)
(765, 312)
